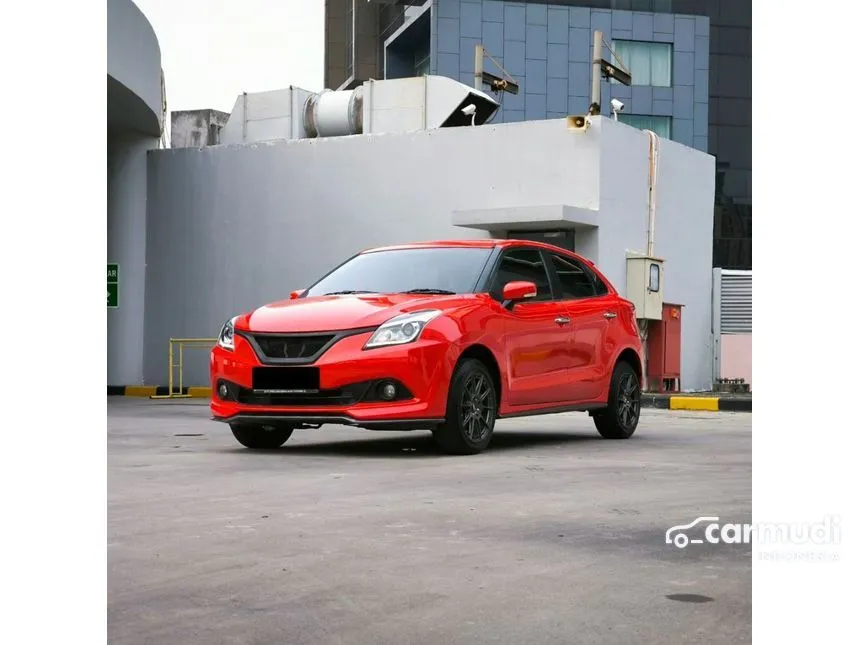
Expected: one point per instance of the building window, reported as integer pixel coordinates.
(422, 66)
(660, 125)
(649, 63)
(421, 57)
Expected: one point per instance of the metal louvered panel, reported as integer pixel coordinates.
(736, 302)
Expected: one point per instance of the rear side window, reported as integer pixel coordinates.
(522, 264)
(599, 284)
(576, 280)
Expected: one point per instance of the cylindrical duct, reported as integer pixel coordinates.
(334, 114)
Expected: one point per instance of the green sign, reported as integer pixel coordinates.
(112, 285)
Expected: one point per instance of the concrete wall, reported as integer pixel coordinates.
(133, 54)
(134, 121)
(547, 48)
(196, 128)
(126, 245)
(233, 227)
(683, 231)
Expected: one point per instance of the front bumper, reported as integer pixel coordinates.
(422, 368)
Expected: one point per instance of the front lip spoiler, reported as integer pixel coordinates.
(247, 418)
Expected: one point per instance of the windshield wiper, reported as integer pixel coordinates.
(347, 292)
(440, 292)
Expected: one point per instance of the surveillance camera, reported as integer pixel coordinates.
(617, 106)
(469, 110)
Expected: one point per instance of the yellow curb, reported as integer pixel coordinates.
(708, 403)
(200, 392)
(140, 390)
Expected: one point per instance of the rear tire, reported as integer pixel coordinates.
(471, 413)
(621, 417)
(261, 437)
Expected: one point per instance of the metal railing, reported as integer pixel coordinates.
(176, 347)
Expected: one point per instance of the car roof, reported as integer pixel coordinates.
(481, 243)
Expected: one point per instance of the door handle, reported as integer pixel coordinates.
(610, 314)
(562, 320)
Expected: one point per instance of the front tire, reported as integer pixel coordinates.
(471, 414)
(621, 417)
(261, 437)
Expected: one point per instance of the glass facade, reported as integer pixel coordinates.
(649, 63)
(660, 125)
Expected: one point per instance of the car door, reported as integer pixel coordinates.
(591, 311)
(537, 333)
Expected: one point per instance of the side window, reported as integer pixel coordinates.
(522, 264)
(576, 282)
(602, 289)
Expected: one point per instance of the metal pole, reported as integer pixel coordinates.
(479, 66)
(652, 192)
(170, 367)
(595, 67)
(180, 368)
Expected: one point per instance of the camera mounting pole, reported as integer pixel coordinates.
(496, 83)
(596, 62)
(605, 69)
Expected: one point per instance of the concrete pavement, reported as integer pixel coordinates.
(349, 536)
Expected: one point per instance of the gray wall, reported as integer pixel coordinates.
(196, 128)
(126, 245)
(548, 49)
(133, 54)
(682, 234)
(134, 120)
(233, 227)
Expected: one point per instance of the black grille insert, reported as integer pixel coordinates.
(310, 398)
(292, 347)
(299, 387)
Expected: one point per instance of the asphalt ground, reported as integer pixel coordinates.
(553, 535)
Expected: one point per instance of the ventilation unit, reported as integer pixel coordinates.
(396, 105)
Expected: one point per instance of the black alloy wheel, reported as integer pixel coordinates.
(472, 408)
(629, 401)
(476, 415)
(620, 418)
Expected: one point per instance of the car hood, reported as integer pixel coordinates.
(335, 313)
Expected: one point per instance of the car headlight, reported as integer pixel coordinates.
(402, 329)
(225, 338)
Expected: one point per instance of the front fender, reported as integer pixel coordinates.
(478, 331)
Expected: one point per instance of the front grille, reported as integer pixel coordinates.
(292, 347)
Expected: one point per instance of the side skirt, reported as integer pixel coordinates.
(534, 412)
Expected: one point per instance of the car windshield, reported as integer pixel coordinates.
(420, 270)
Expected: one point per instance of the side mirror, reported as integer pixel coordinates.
(296, 294)
(517, 291)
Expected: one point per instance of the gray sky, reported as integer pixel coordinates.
(213, 50)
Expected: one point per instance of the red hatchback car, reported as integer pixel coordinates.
(440, 336)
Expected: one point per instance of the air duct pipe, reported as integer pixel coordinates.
(334, 114)
(653, 157)
(653, 152)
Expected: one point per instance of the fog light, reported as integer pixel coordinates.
(223, 391)
(389, 391)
